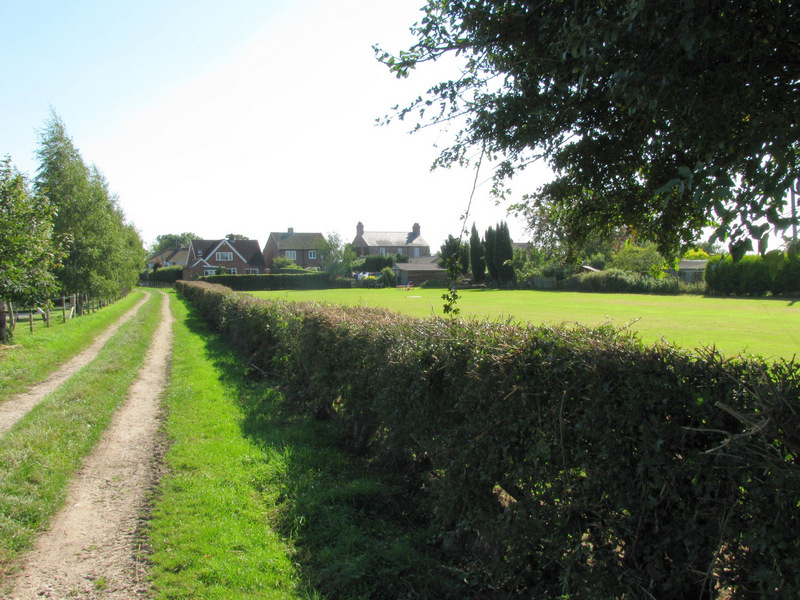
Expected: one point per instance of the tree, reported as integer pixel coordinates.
(657, 117)
(173, 240)
(100, 254)
(643, 259)
(236, 236)
(503, 254)
(336, 256)
(27, 251)
(454, 247)
(476, 250)
(488, 253)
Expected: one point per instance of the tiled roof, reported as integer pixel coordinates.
(392, 239)
(296, 241)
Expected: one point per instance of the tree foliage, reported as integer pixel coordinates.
(103, 253)
(453, 246)
(27, 252)
(174, 240)
(336, 256)
(476, 260)
(656, 116)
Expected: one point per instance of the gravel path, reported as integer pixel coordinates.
(90, 550)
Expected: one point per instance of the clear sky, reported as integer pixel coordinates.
(243, 116)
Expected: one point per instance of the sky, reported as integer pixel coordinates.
(243, 116)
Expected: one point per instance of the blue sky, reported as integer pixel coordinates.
(247, 116)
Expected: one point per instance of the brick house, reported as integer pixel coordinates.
(237, 257)
(302, 248)
(388, 243)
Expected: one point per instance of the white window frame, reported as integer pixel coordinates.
(231, 271)
(224, 256)
(207, 272)
(312, 255)
(290, 254)
(250, 271)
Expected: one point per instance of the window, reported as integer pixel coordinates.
(416, 252)
(224, 256)
(250, 271)
(382, 251)
(207, 272)
(312, 255)
(230, 271)
(291, 254)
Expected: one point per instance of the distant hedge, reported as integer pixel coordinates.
(751, 276)
(165, 274)
(282, 281)
(624, 282)
(556, 461)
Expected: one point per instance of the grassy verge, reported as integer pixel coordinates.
(769, 327)
(41, 452)
(33, 356)
(259, 502)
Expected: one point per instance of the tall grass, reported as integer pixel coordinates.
(41, 452)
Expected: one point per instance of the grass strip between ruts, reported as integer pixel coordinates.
(33, 356)
(41, 452)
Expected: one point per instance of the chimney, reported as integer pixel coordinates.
(291, 229)
(360, 228)
(416, 230)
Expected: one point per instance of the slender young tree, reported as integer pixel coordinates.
(476, 251)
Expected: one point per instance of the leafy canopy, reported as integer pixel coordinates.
(657, 116)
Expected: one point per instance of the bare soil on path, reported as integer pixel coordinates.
(17, 407)
(90, 551)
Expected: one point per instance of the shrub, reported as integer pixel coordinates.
(250, 283)
(555, 457)
(751, 276)
(387, 277)
(433, 283)
(616, 281)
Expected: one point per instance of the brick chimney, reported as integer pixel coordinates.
(416, 230)
(360, 228)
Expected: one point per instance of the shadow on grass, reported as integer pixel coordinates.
(357, 530)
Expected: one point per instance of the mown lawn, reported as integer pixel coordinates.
(767, 327)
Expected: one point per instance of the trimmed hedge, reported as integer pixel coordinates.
(750, 276)
(281, 281)
(164, 274)
(556, 461)
(625, 282)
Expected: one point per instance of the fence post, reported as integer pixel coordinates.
(30, 317)
(64, 308)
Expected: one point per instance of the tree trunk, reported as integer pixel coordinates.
(13, 322)
(5, 334)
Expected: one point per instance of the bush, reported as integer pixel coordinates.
(751, 276)
(623, 282)
(387, 277)
(554, 457)
(166, 274)
(433, 284)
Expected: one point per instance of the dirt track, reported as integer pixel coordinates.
(90, 550)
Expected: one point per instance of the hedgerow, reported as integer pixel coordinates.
(751, 276)
(556, 461)
(281, 281)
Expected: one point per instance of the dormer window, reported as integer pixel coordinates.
(223, 256)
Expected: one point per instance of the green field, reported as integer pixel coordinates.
(767, 327)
